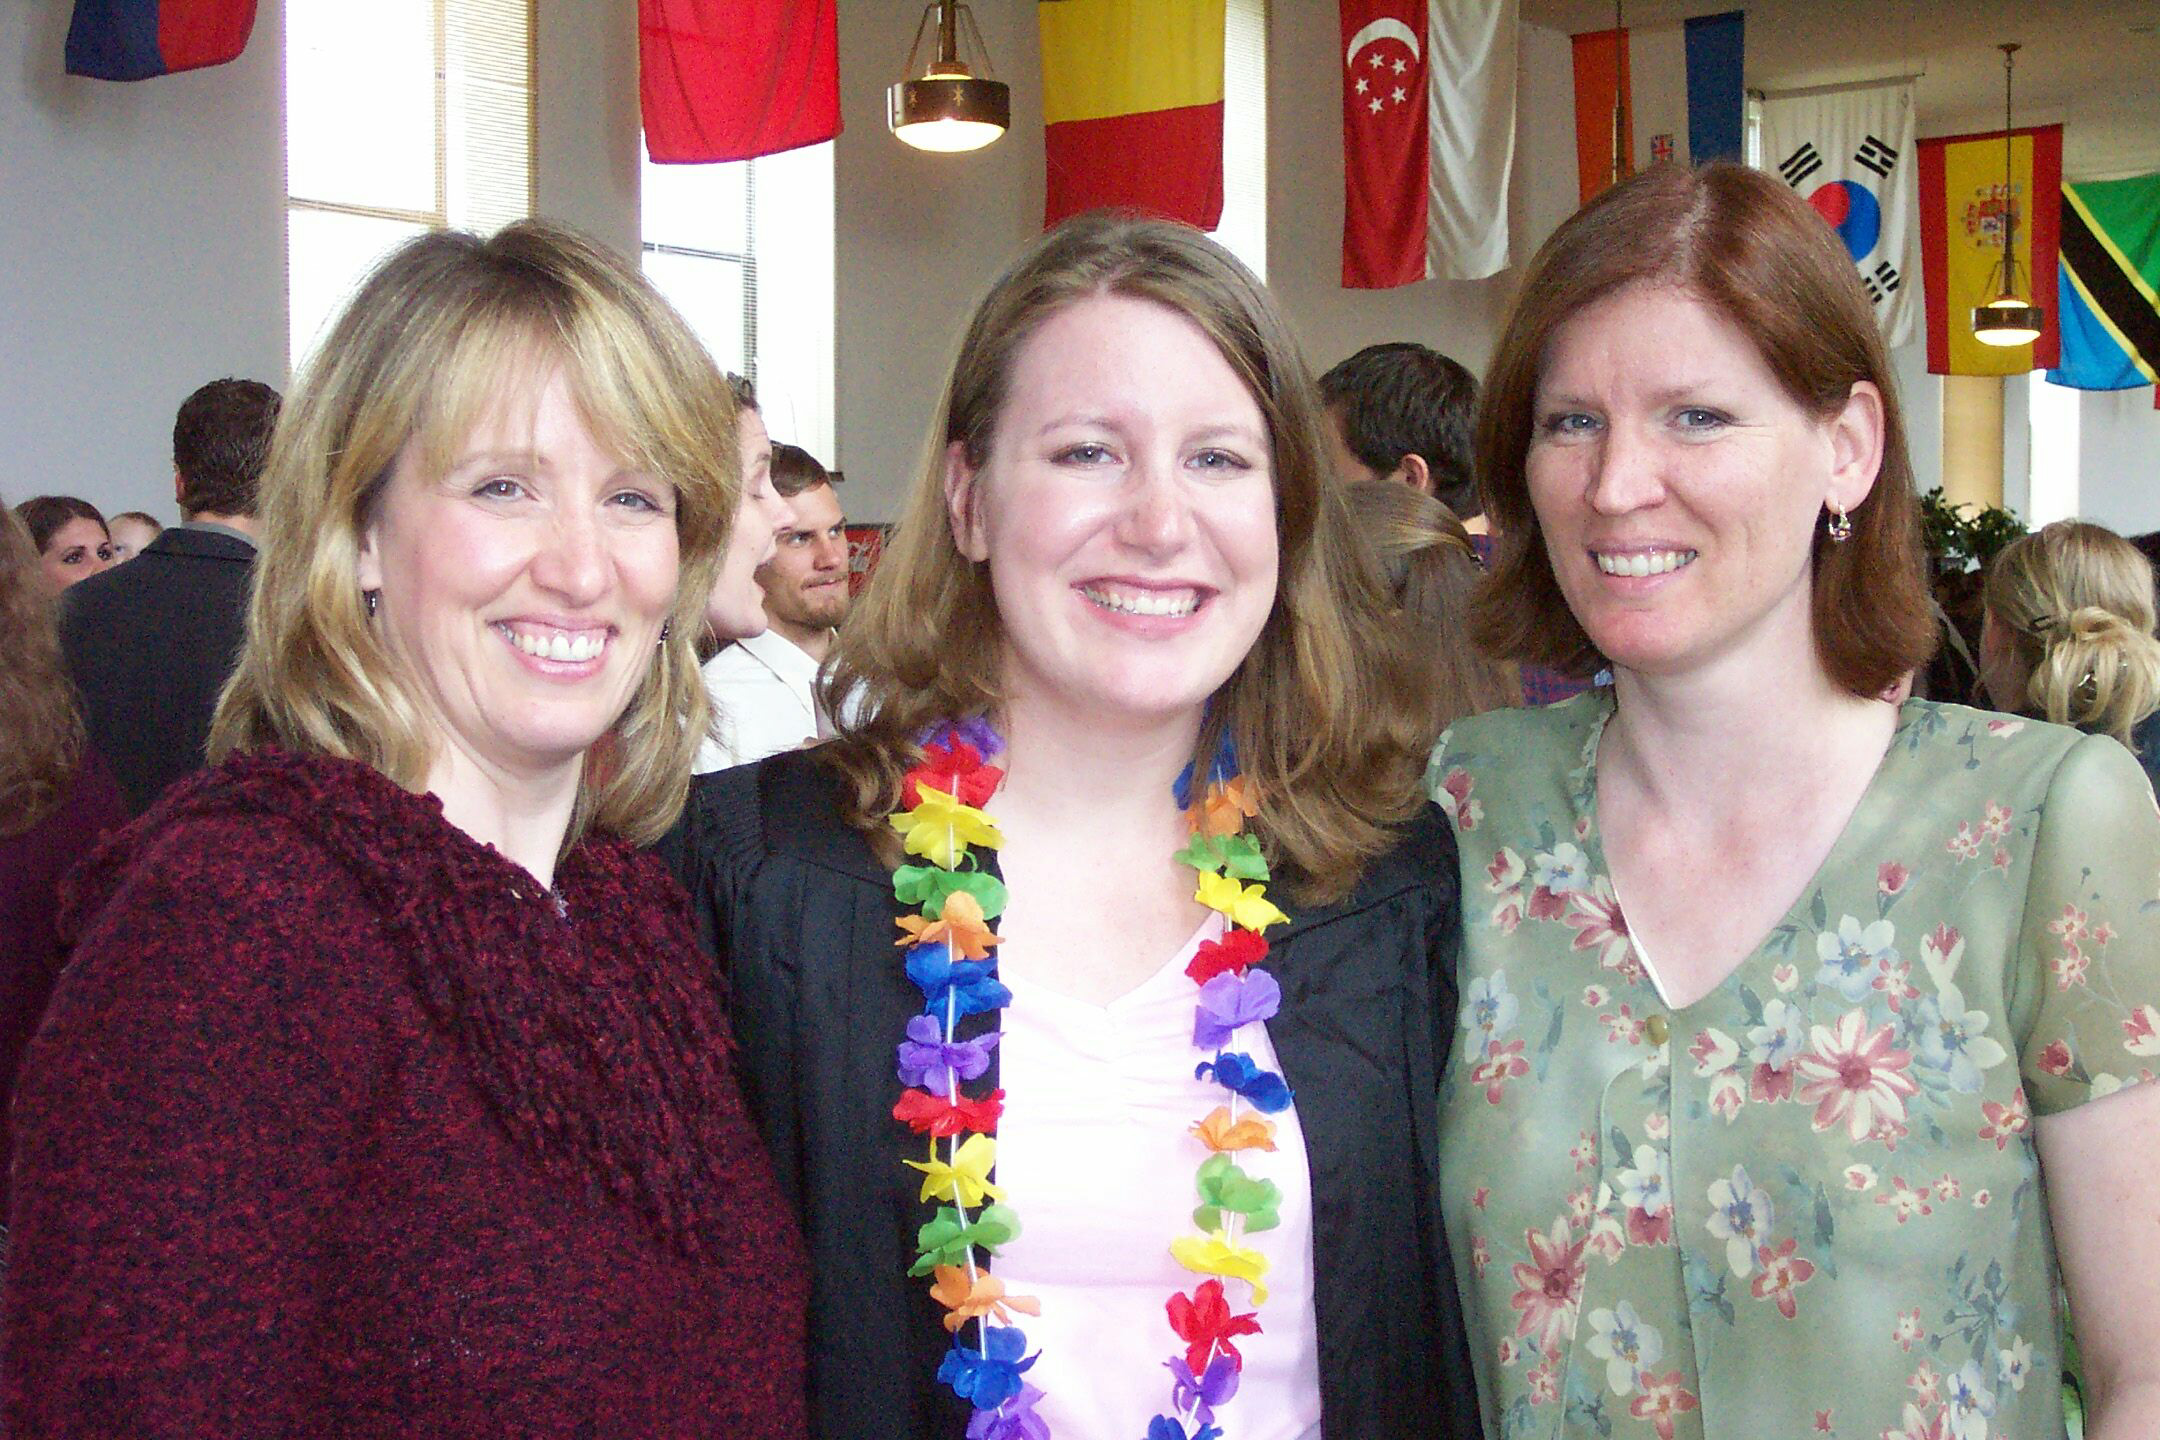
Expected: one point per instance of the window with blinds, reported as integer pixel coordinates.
(401, 116)
(745, 252)
(1243, 231)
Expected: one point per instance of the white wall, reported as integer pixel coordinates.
(585, 121)
(2119, 460)
(142, 252)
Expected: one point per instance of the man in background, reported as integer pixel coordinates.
(150, 644)
(1408, 413)
(763, 684)
(1404, 412)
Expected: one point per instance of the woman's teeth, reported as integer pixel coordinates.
(1644, 562)
(1146, 602)
(559, 645)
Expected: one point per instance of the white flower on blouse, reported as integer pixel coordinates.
(1625, 1343)
(1970, 1402)
(1851, 957)
(1565, 868)
(1488, 1006)
(2013, 1367)
(1740, 1215)
(1954, 1040)
(1781, 1036)
(1647, 1184)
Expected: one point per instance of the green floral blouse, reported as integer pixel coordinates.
(1809, 1203)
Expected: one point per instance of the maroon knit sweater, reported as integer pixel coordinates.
(338, 1126)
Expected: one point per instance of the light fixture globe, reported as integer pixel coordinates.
(948, 113)
(2007, 320)
(948, 107)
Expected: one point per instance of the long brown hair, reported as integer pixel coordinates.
(423, 351)
(1427, 557)
(1324, 712)
(38, 715)
(1746, 246)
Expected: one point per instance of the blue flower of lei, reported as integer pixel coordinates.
(1264, 1090)
(967, 987)
(989, 1377)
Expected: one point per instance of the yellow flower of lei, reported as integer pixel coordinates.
(940, 828)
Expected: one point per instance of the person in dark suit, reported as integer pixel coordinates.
(150, 645)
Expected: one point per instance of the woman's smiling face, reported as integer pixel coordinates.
(1126, 511)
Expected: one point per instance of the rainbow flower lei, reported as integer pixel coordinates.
(949, 946)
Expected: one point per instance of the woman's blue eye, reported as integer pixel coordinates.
(500, 488)
(636, 500)
(1089, 453)
(1697, 418)
(1572, 422)
(1218, 460)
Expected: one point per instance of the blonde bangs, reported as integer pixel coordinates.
(447, 333)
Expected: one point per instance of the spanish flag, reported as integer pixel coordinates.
(1963, 202)
(1133, 107)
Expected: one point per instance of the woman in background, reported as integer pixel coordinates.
(385, 1093)
(1805, 1035)
(71, 539)
(2066, 635)
(56, 799)
(1427, 556)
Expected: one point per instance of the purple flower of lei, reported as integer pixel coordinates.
(966, 987)
(1202, 1393)
(1230, 1000)
(976, 730)
(1014, 1420)
(989, 1377)
(1264, 1090)
(926, 1060)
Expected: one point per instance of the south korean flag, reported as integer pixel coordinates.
(1851, 155)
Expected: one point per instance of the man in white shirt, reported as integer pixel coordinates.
(761, 685)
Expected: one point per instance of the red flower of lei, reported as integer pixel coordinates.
(954, 767)
(1238, 950)
(928, 1114)
(1205, 1324)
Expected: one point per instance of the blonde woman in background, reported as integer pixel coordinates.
(2067, 635)
(1426, 554)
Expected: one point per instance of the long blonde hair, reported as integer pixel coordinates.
(1324, 712)
(41, 726)
(2077, 602)
(424, 352)
(1427, 557)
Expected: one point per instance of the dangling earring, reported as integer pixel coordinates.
(1839, 526)
(373, 598)
(666, 628)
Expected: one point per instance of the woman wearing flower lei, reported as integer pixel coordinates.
(1093, 988)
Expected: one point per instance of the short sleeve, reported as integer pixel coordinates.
(2090, 945)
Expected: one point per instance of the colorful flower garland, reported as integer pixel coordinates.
(949, 944)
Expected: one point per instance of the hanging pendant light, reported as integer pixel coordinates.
(2008, 319)
(948, 107)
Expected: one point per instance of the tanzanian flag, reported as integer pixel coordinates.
(2109, 281)
(136, 39)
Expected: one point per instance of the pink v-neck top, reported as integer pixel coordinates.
(1096, 1156)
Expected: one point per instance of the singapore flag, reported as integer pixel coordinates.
(1428, 138)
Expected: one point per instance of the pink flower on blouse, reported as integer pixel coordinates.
(1890, 877)
(1663, 1397)
(2004, 1123)
(2055, 1059)
(1783, 1273)
(1549, 1287)
(1501, 1064)
(1855, 1078)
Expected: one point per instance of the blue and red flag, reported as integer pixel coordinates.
(137, 39)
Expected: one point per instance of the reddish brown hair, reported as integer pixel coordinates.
(1745, 245)
(37, 700)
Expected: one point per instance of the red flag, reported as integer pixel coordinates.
(1428, 139)
(735, 79)
(1385, 130)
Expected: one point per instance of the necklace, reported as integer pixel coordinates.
(949, 945)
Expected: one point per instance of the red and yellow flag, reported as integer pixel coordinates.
(1133, 107)
(1962, 205)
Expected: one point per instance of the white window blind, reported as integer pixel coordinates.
(1243, 229)
(401, 116)
(745, 252)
